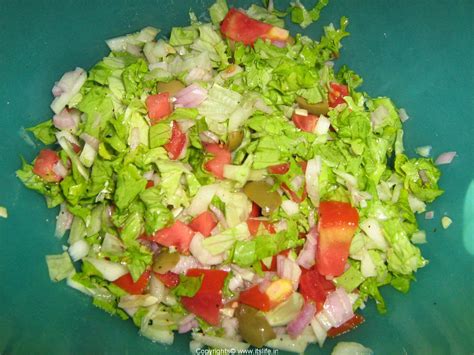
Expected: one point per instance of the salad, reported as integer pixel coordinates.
(227, 181)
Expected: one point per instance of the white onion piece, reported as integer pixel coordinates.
(191, 96)
(291, 208)
(63, 221)
(134, 138)
(201, 254)
(297, 182)
(157, 288)
(219, 215)
(445, 158)
(319, 331)
(230, 326)
(302, 320)
(110, 271)
(67, 119)
(403, 115)
(132, 301)
(92, 141)
(429, 215)
(280, 226)
(288, 269)
(185, 125)
(262, 106)
(59, 169)
(372, 229)
(378, 115)
(203, 198)
(279, 44)
(322, 126)
(307, 255)
(187, 323)
(148, 175)
(68, 86)
(313, 169)
(185, 263)
(338, 307)
(208, 137)
(367, 266)
(79, 250)
(351, 348)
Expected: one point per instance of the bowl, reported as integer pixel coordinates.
(417, 52)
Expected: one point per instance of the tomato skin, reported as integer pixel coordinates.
(337, 224)
(44, 165)
(207, 302)
(178, 235)
(255, 298)
(170, 279)
(314, 287)
(254, 225)
(158, 106)
(204, 223)
(337, 93)
(126, 283)
(352, 323)
(177, 142)
(221, 157)
(239, 27)
(256, 210)
(149, 184)
(305, 123)
(279, 169)
(293, 195)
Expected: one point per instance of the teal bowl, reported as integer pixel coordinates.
(420, 53)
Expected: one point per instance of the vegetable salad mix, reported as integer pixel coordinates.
(229, 182)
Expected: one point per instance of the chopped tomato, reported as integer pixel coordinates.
(337, 224)
(207, 302)
(273, 265)
(352, 323)
(204, 223)
(177, 142)
(44, 165)
(303, 165)
(179, 235)
(158, 106)
(77, 148)
(126, 283)
(170, 279)
(149, 184)
(314, 286)
(254, 225)
(279, 169)
(305, 123)
(221, 157)
(256, 210)
(293, 195)
(255, 298)
(239, 27)
(337, 93)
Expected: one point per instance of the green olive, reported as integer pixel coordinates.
(253, 326)
(261, 193)
(165, 261)
(320, 108)
(286, 311)
(172, 87)
(235, 140)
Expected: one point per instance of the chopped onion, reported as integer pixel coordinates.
(157, 288)
(419, 237)
(279, 44)
(424, 151)
(306, 257)
(68, 86)
(185, 263)
(281, 225)
(191, 96)
(351, 348)
(230, 326)
(367, 266)
(134, 138)
(63, 221)
(371, 228)
(67, 119)
(297, 182)
(313, 169)
(79, 250)
(185, 125)
(291, 208)
(149, 175)
(201, 254)
(301, 112)
(288, 269)
(403, 115)
(112, 245)
(92, 141)
(319, 331)
(59, 169)
(338, 307)
(208, 137)
(429, 215)
(110, 271)
(416, 205)
(262, 106)
(424, 178)
(446, 222)
(203, 198)
(133, 301)
(187, 323)
(219, 215)
(302, 320)
(322, 126)
(378, 115)
(445, 158)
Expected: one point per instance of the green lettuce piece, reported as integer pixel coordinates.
(262, 14)
(217, 11)
(157, 215)
(188, 285)
(401, 283)
(349, 77)
(44, 132)
(303, 17)
(330, 44)
(132, 225)
(173, 191)
(350, 279)
(73, 189)
(181, 36)
(51, 191)
(129, 184)
(225, 240)
(160, 134)
(138, 258)
(59, 266)
(211, 43)
(379, 259)
(97, 104)
(369, 288)
(132, 77)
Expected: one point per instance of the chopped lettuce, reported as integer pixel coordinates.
(59, 266)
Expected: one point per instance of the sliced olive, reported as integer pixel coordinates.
(261, 193)
(253, 326)
(172, 87)
(234, 140)
(165, 261)
(320, 108)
